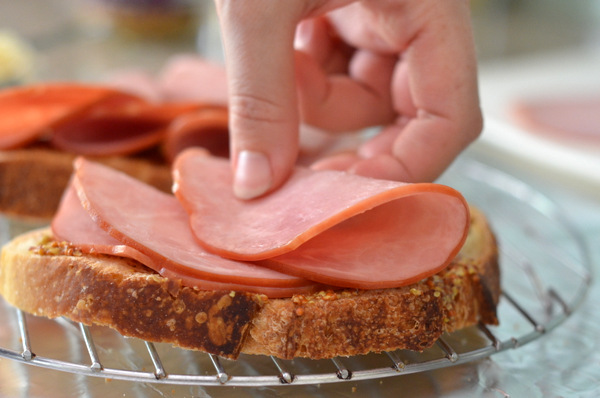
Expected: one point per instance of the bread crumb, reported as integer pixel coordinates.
(171, 324)
(80, 304)
(50, 247)
(178, 306)
(261, 299)
(224, 302)
(201, 317)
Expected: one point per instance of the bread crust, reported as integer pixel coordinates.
(56, 281)
(38, 176)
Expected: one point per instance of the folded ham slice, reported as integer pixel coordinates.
(105, 211)
(328, 226)
(207, 128)
(118, 129)
(73, 224)
(320, 228)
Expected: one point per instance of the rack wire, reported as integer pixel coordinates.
(546, 273)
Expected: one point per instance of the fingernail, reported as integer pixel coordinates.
(304, 33)
(252, 175)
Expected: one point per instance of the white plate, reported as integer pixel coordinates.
(571, 73)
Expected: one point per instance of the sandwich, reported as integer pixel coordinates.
(331, 264)
(43, 127)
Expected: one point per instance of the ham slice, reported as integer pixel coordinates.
(154, 224)
(207, 128)
(74, 224)
(189, 77)
(573, 120)
(119, 129)
(328, 226)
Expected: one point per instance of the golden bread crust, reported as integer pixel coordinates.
(137, 302)
(123, 294)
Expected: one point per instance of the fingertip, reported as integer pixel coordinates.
(253, 176)
(304, 34)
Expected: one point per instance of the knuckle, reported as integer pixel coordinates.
(252, 109)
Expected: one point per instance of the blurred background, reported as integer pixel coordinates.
(528, 49)
(84, 38)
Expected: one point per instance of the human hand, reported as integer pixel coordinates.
(408, 65)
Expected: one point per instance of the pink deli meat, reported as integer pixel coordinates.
(574, 120)
(123, 126)
(154, 224)
(327, 226)
(73, 224)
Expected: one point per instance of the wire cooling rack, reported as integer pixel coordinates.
(545, 276)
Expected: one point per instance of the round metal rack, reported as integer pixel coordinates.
(545, 276)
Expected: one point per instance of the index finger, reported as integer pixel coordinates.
(258, 43)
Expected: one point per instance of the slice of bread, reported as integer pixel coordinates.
(35, 179)
(52, 279)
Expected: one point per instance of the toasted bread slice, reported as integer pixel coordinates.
(52, 279)
(35, 179)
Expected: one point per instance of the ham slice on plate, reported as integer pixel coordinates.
(152, 223)
(327, 226)
(575, 120)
